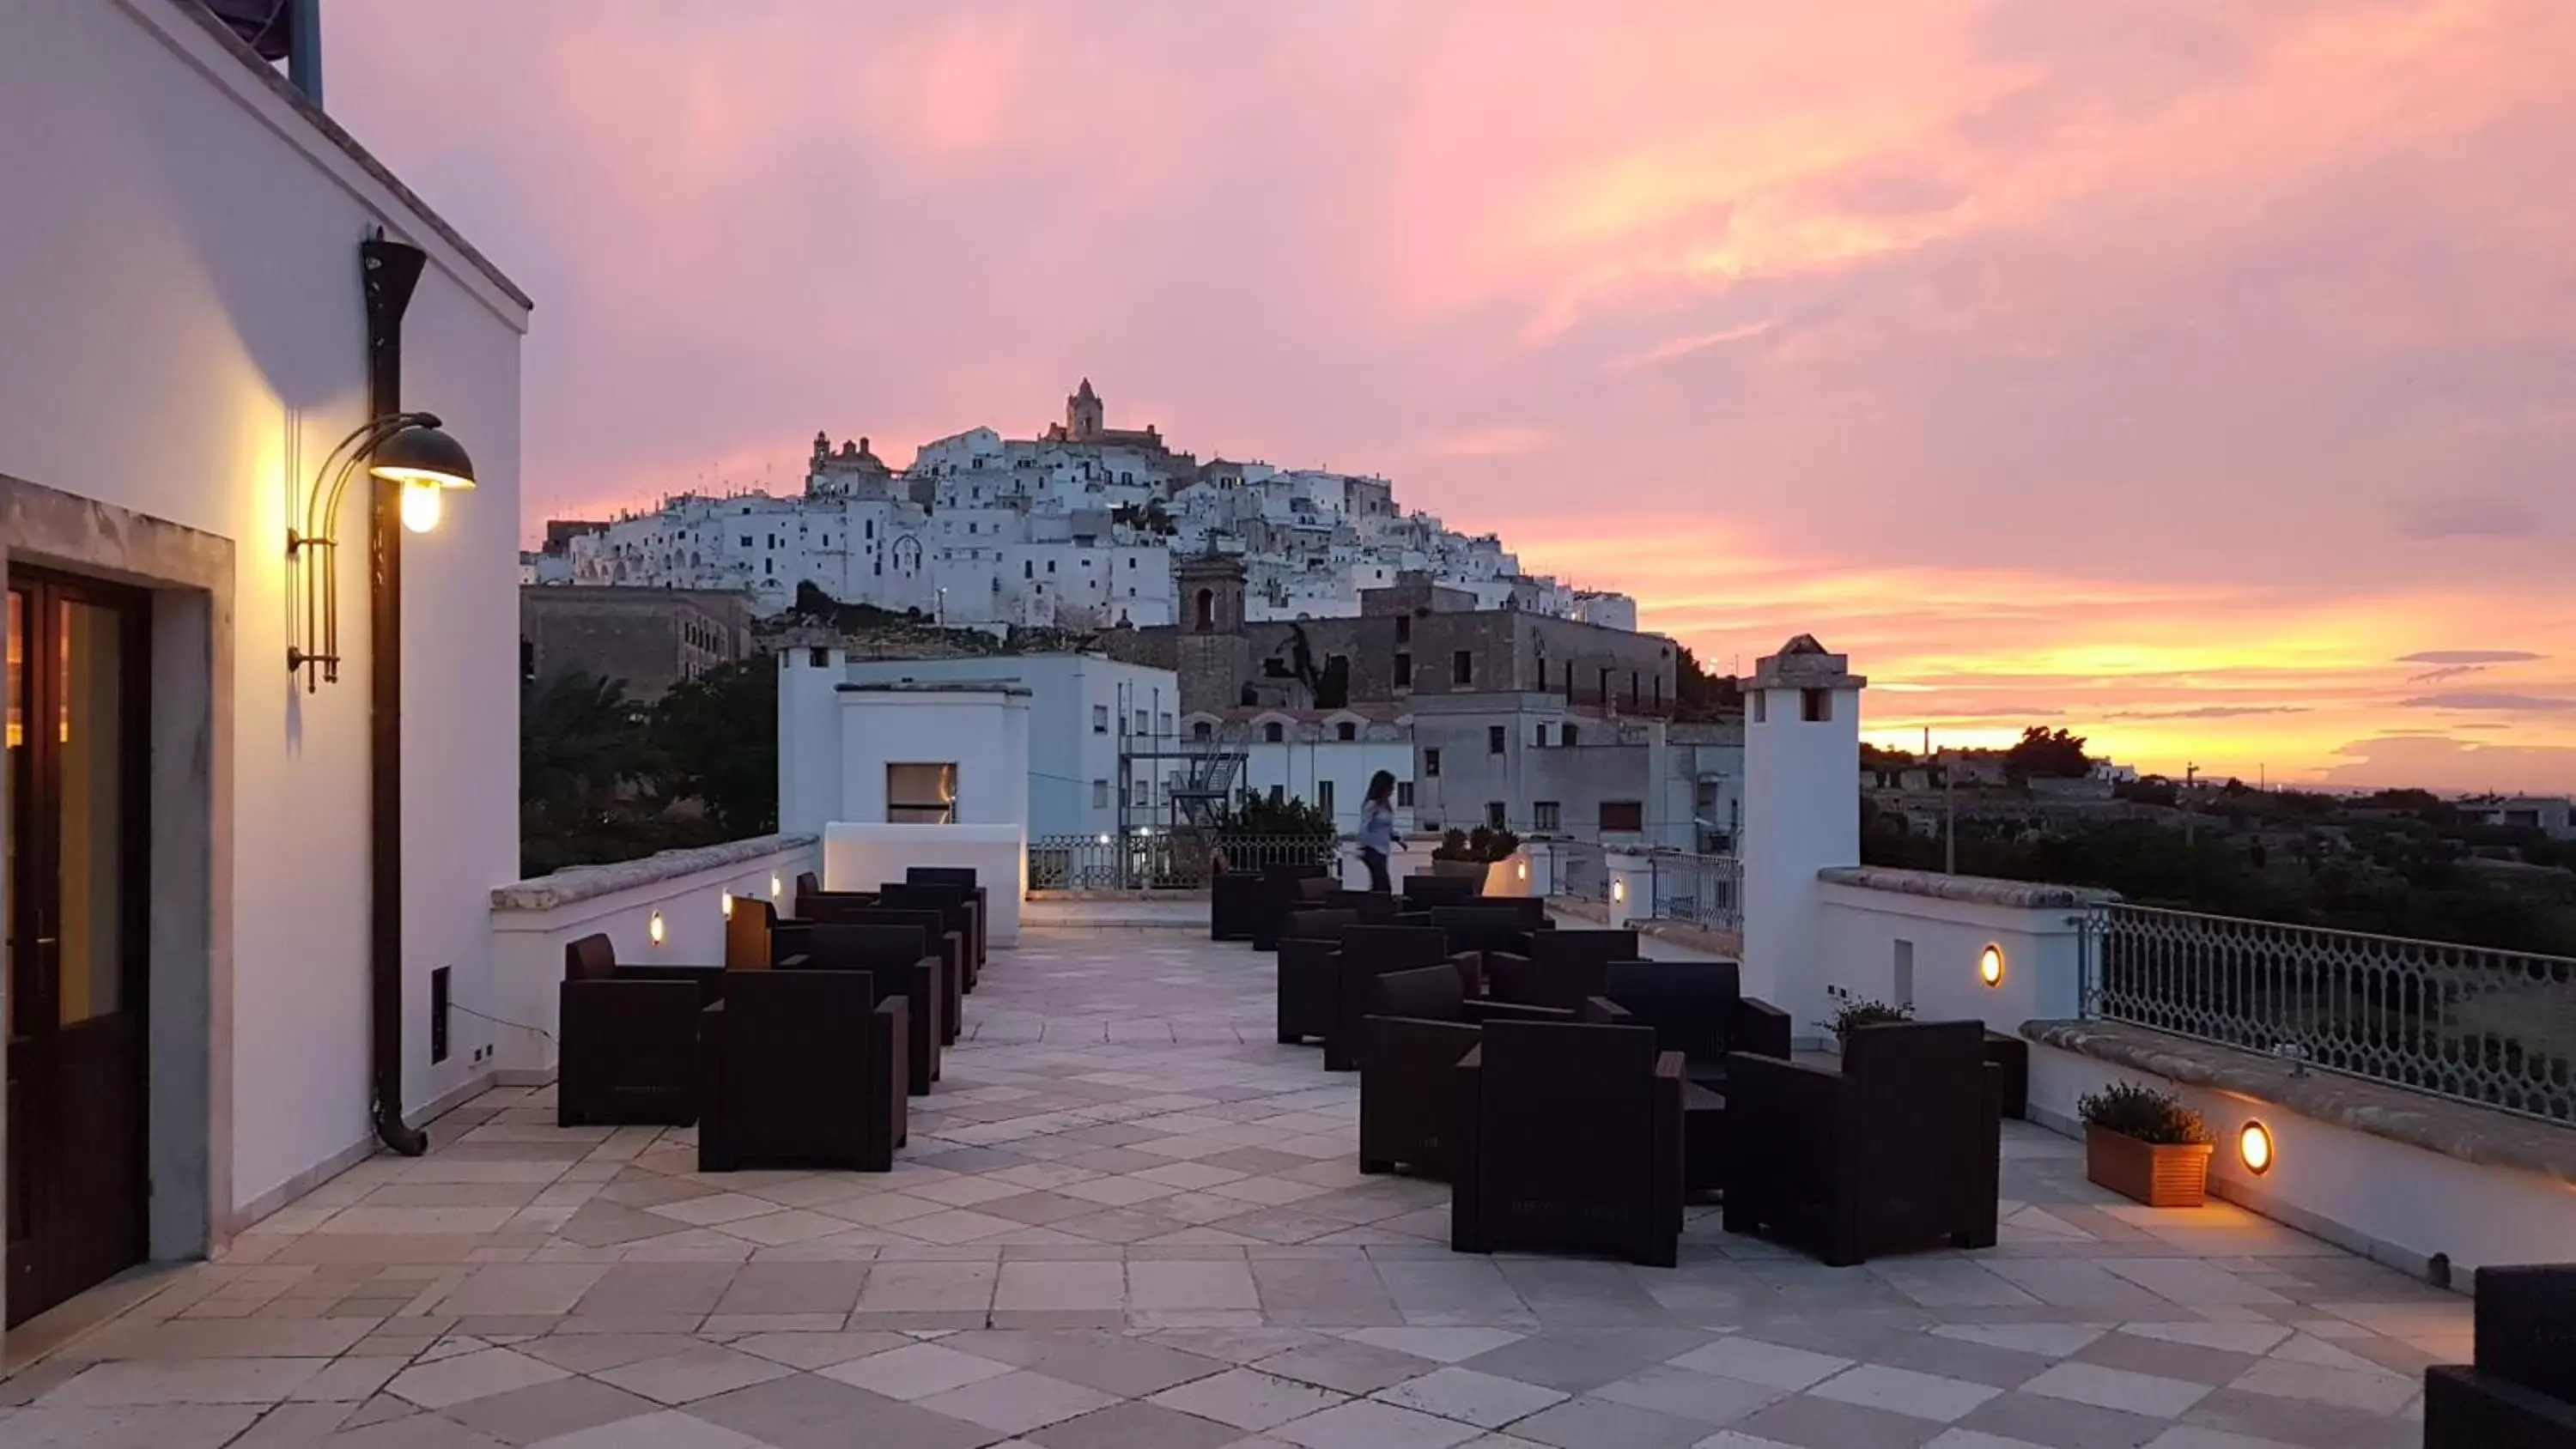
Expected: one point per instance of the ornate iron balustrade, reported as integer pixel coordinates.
(1164, 860)
(2493, 1027)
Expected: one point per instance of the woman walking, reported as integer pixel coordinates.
(1377, 830)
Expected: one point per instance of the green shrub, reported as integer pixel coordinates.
(2144, 1113)
(1854, 1012)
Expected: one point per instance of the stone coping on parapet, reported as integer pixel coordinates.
(1971, 889)
(586, 882)
(2472, 1133)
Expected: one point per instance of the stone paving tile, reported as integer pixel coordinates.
(1128, 1213)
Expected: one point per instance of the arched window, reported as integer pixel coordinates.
(1207, 608)
(1202, 732)
(1274, 732)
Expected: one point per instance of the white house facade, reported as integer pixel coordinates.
(238, 888)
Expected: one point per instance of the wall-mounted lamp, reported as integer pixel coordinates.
(728, 905)
(1990, 965)
(653, 928)
(2254, 1147)
(404, 449)
(1520, 868)
(777, 888)
(1618, 889)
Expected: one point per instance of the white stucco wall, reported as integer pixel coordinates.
(2396, 1202)
(185, 339)
(861, 857)
(984, 733)
(1867, 939)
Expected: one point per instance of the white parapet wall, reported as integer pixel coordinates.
(685, 890)
(1913, 938)
(859, 857)
(2396, 1175)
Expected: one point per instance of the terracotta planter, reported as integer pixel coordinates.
(2162, 1175)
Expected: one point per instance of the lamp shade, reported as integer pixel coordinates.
(423, 454)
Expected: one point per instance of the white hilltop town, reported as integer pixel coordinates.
(1077, 528)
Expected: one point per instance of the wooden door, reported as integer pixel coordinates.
(76, 914)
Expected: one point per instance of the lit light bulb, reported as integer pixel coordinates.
(728, 905)
(777, 888)
(420, 505)
(2254, 1146)
(653, 928)
(1990, 965)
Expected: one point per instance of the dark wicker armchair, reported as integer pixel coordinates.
(1899, 1149)
(1425, 891)
(1372, 908)
(1563, 969)
(979, 896)
(956, 903)
(1234, 904)
(2521, 1392)
(1477, 934)
(1414, 1027)
(1309, 947)
(1698, 1008)
(628, 1037)
(1367, 953)
(902, 965)
(1281, 892)
(947, 944)
(801, 1068)
(1568, 1136)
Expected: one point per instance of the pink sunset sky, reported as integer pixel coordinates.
(2198, 375)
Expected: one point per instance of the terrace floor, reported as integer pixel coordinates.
(1129, 1220)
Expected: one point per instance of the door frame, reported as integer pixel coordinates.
(190, 646)
(39, 860)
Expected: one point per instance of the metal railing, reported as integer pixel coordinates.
(2496, 1028)
(1163, 860)
(1705, 890)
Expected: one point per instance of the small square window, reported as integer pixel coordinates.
(1100, 719)
(1099, 794)
(1626, 817)
(1431, 764)
(1565, 735)
(1761, 706)
(1404, 793)
(921, 794)
(1346, 731)
(1462, 667)
(1144, 722)
(1324, 796)
(1496, 738)
(1816, 705)
(1274, 732)
(1546, 815)
(1494, 814)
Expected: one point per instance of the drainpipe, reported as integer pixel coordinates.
(388, 270)
(304, 50)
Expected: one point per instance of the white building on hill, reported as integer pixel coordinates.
(1076, 528)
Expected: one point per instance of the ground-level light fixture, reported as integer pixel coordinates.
(1990, 965)
(653, 928)
(408, 450)
(2254, 1147)
(1521, 869)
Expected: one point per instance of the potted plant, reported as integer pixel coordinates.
(1852, 1012)
(2145, 1145)
(1472, 853)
